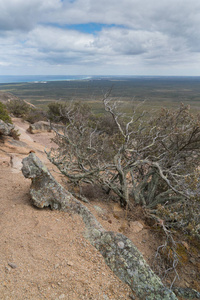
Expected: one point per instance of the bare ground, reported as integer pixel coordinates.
(43, 253)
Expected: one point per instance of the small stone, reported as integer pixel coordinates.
(56, 266)
(120, 245)
(99, 209)
(61, 296)
(69, 263)
(13, 266)
(136, 227)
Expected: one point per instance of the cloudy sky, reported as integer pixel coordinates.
(100, 37)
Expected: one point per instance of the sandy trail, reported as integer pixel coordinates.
(43, 253)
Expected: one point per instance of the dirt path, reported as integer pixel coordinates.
(43, 254)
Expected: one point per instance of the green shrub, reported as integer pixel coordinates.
(18, 108)
(56, 113)
(4, 116)
(34, 115)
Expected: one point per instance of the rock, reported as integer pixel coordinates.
(43, 126)
(136, 227)
(120, 254)
(100, 210)
(5, 128)
(40, 126)
(15, 163)
(186, 293)
(56, 266)
(121, 245)
(7, 97)
(13, 266)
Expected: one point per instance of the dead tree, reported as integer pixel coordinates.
(148, 157)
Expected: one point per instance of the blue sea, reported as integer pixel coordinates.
(39, 78)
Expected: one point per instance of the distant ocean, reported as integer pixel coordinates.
(39, 78)
(6, 79)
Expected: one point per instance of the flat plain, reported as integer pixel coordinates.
(153, 92)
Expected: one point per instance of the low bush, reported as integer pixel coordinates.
(35, 115)
(4, 116)
(18, 108)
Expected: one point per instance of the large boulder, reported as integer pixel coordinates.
(43, 126)
(38, 127)
(6, 128)
(119, 252)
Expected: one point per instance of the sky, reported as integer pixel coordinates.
(104, 37)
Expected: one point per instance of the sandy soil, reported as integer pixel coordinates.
(43, 253)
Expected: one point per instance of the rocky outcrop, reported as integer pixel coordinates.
(6, 128)
(7, 97)
(39, 127)
(43, 126)
(119, 252)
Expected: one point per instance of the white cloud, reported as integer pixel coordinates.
(23, 15)
(56, 39)
(141, 36)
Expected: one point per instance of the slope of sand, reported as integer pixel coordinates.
(43, 253)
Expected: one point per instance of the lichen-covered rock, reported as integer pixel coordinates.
(5, 128)
(186, 293)
(129, 265)
(119, 252)
(46, 191)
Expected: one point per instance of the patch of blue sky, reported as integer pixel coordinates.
(22, 42)
(92, 28)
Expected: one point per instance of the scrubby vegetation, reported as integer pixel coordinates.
(18, 108)
(21, 109)
(4, 116)
(150, 160)
(146, 160)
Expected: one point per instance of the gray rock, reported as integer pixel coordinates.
(186, 293)
(119, 252)
(42, 126)
(5, 128)
(12, 265)
(39, 127)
